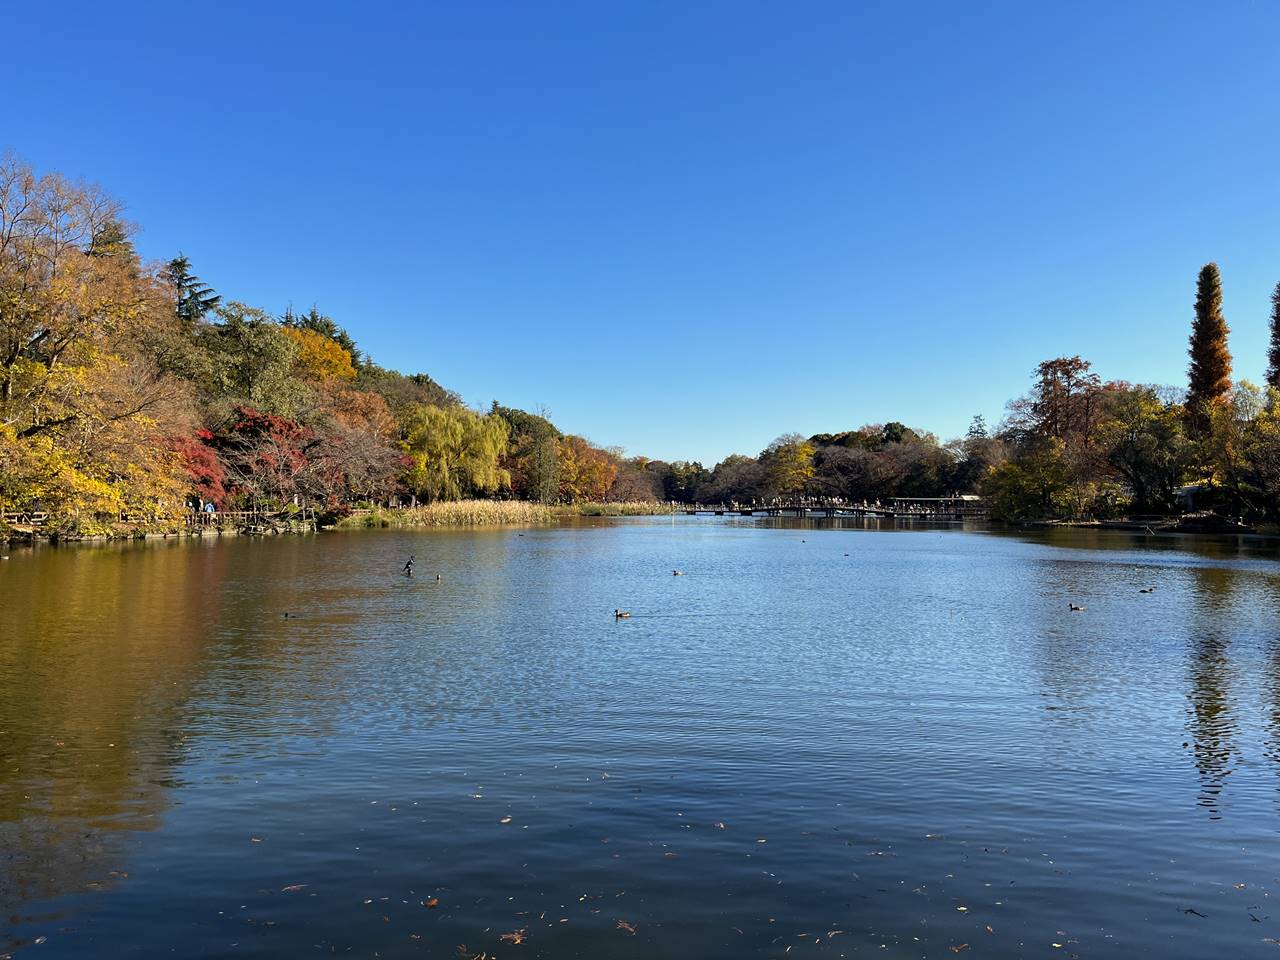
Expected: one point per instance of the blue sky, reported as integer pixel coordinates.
(685, 228)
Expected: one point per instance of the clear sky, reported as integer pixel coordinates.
(687, 227)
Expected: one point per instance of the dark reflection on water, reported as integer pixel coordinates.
(826, 737)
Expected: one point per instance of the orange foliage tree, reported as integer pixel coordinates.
(586, 471)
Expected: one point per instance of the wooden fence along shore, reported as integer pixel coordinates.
(191, 522)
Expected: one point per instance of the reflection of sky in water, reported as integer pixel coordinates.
(918, 725)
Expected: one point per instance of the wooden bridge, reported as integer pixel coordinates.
(901, 508)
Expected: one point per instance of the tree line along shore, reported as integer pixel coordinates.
(134, 394)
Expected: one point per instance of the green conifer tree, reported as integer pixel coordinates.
(1273, 351)
(195, 298)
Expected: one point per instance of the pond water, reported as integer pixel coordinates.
(822, 740)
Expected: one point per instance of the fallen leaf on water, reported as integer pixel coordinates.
(719, 825)
(989, 930)
(963, 909)
(505, 820)
(959, 946)
(293, 887)
(629, 927)
(515, 936)
(431, 903)
(255, 839)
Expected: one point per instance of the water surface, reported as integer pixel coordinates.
(820, 741)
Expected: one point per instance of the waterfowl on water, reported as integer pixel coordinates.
(621, 614)
(438, 577)
(1075, 606)
(1147, 590)
(677, 573)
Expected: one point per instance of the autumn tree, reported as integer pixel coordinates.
(635, 481)
(268, 458)
(317, 322)
(81, 407)
(1033, 486)
(789, 460)
(320, 358)
(586, 471)
(1063, 403)
(206, 473)
(1210, 369)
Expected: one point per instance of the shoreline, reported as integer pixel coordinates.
(546, 516)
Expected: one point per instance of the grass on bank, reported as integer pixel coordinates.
(493, 513)
(454, 513)
(627, 508)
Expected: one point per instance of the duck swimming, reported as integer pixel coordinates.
(621, 614)
(1075, 606)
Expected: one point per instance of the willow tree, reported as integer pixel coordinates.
(1273, 351)
(1210, 371)
(454, 452)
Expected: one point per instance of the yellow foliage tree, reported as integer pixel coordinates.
(790, 463)
(320, 358)
(80, 409)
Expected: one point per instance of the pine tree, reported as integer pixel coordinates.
(195, 297)
(1210, 371)
(1273, 352)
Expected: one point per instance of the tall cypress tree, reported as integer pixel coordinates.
(1210, 372)
(1273, 352)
